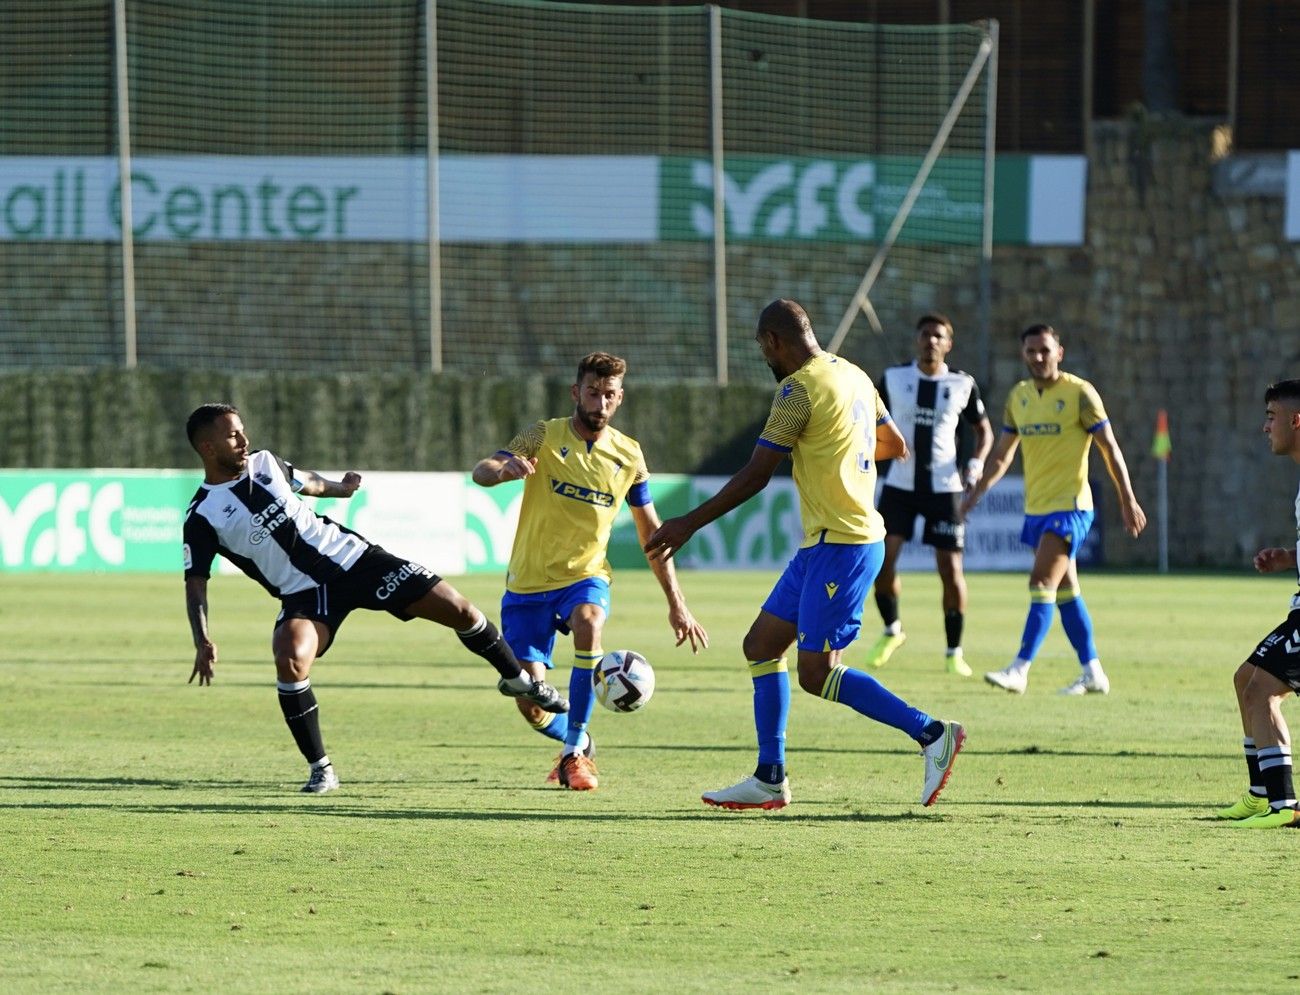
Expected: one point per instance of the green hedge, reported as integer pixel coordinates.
(119, 418)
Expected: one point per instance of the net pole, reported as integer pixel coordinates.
(986, 241)
(124, 182)
(1162, 508)
(913, 192)
(719, 195)
(1234, 64)
(431, 181)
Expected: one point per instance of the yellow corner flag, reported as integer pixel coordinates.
(1161, 447)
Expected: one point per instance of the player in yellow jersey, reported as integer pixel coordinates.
(577, 471)
(1056, 417)
(829, 419)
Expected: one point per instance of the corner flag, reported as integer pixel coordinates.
(1161, 447)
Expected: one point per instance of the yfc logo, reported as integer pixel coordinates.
(813, 199)
(49, 527)
(762, 534)
(491, 518)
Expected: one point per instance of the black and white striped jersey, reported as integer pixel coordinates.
(260, 524)
(1296, 602)
(927, 410)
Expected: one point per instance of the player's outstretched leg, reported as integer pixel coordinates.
(539, 693)
(443, 604)
(483, 639)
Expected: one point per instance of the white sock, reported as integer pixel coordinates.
(520, 682)
(586, 741)
(894, 628)
(322, 763)
(1092, 669)
(1020, 666)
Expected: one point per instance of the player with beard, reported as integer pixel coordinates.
(1055, 417)
(249, 510)
(577, 472)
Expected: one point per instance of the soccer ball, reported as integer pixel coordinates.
(623, 681)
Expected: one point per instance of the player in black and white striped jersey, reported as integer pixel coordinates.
(928, 401)
(1271, 674)
(248, 510)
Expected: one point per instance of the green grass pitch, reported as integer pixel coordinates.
(153, 839)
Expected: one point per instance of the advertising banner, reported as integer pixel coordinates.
(75, 520)
(494, 199)
(420, 516)
(122, 520)
(824, 199)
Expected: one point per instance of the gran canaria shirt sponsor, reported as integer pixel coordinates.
(1055, 427)
(570, 504)
(825, 415)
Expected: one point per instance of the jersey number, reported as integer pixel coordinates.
(861, 415)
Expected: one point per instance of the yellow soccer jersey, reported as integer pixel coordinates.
(570, 503)
(1055, 429)
(825, 415)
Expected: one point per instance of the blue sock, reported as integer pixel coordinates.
(552, 726)
(771, 709)
(581, 698)
(1037, 622)
(1078, 624)
(867, 696)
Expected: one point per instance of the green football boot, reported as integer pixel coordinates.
(886, 646)
(1281, 819)
(1244, 807)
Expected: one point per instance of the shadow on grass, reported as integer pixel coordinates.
(55, 783)
(902, 750)
(332, 809)
(289, 803)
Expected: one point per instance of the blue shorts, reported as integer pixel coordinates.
(1072, 526)
(529, 622)
(822, 592)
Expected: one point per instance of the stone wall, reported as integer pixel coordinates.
(1184, 300)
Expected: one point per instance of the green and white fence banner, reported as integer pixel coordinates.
(123, 520)
(77, 520)
(537, 198)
